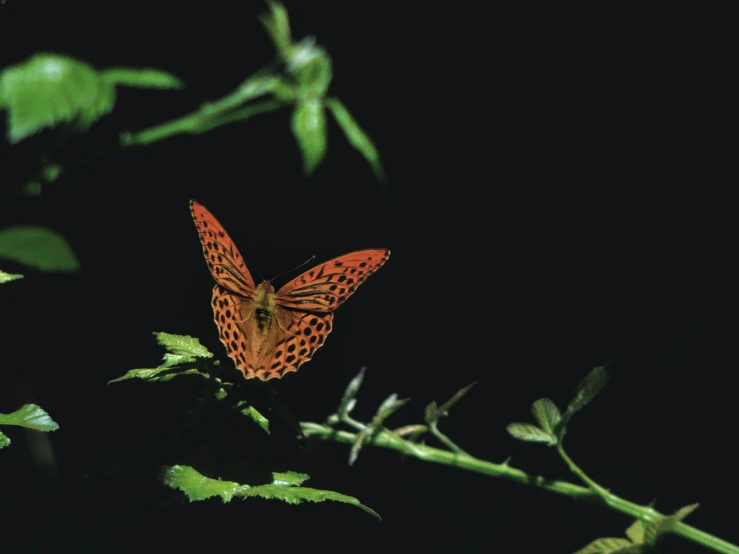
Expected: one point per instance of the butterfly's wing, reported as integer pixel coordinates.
(304, 309)
(224, 260)
(289, 339)
(234, 315)
(234, 292)
(298, 337)
(328, 285)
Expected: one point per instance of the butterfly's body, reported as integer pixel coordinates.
(268, 333)
(264, 305)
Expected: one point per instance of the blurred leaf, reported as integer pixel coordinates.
(44, 91)
(37, 247)
(7, 277)
(256, 416)
(278, 27)
(284, 486)
(588, 388)
(348, 401)
(315, 77)
(357, 446)
(654, 529)
(611, 546)
(446, 406)
(48, 89)
(530, 433)
(32, 187)
(356, 136)
(101, 105)
(140, 78)
(254, 87)
(685, 511)
(51, 172)
(635, 532)
(431, 412)
(309, 128)
(388, 407)
(30, 416)
(4, 441)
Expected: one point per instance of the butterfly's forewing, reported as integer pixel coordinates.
(325, 287)
(224, 260)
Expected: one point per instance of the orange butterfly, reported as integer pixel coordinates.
(268, 333)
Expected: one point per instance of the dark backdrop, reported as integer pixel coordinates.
(549, 208)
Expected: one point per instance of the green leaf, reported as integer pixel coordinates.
(198, 487)
(635, 532)
(289, 478)
(546, 414)
(30, 416)
(256, 416)
(4, 441)
(446, 406)
(431, 413)
(356, 136)
(44, 91)
(530, 433)
(184, 346)
(588, 388)
(654, 529)
(388, 407)
(284, 486)
(183, 350)
(48, 89)
(253, 87)
(309, 128)
(611, 546)
(101, 105)
(315, 77)
(37, 247)
(278, 27)
(160, 374)
(140, 78)
(7, 277)
(357, 446)
(685, 511)
(348, 400)
(48, 173)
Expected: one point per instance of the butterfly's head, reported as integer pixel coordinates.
(264, 296)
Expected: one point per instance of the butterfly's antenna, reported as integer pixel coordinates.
(313, 257)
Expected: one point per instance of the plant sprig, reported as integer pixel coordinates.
(646, 531)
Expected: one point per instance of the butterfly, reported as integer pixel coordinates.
(268, 333)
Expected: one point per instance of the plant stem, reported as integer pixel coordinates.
(214, 114)
(386, 439)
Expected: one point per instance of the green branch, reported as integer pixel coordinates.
(649, 526)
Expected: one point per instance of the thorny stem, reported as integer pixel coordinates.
(434, 428)
(595, 487)
(384, 438)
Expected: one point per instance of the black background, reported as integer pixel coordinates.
(550, 207)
